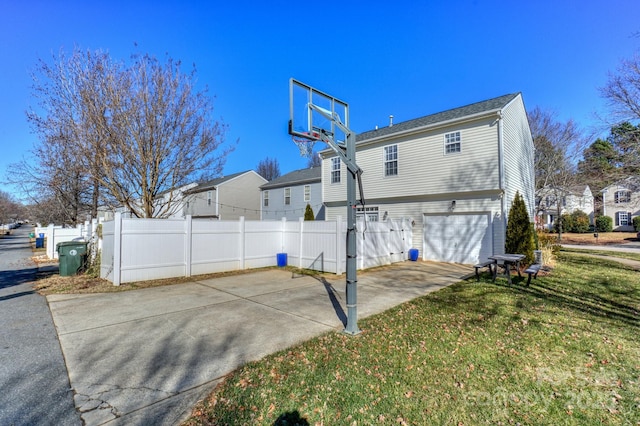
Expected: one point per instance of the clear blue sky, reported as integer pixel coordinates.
(406, 58)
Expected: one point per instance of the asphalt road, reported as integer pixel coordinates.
(34, 384)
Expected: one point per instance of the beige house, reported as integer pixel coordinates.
(621, 202)
(454, 173)
(225, 198)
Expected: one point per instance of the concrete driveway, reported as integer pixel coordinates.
(147, 356)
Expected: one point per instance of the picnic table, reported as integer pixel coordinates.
(506, 261)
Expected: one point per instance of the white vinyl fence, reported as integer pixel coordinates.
(57, 234)
(145, 249)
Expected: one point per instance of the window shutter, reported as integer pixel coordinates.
(617, 218)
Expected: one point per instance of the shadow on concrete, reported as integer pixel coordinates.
(334, 298)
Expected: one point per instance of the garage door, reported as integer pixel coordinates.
(457, 238)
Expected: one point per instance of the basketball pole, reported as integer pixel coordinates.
(352, 253)
(348, 156)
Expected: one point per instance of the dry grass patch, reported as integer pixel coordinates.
(604, 238)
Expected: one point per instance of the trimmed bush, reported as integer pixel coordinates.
(604, 224)
(636, 223)
(580, 222)
(567, 223)
(308, 213)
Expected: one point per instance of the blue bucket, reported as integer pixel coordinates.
(282, 259)
(413, 254)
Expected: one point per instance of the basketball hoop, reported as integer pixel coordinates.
(305, 145)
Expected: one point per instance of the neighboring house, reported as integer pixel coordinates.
(621, 202)
(455, 173)
(225, 198)
(288, 195)
(571, 200)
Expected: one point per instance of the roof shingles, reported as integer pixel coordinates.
(452, 114)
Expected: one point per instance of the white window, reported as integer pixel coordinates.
(370, 213)
(208, 198)
(265, 198)
(452, 142)
(307, 192)
(624, 218)
(287, 196)
(335, 170)
(622, 196)
(391, 160)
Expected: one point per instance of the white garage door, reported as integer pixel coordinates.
(457, 238)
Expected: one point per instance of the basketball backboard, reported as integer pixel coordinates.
(308, 122)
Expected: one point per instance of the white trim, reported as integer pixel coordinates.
(386, 160)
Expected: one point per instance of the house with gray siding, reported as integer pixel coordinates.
(288, 195)
(225, 198)
(621, 202)
(454, 173)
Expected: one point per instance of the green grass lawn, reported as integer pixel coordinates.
(565, 350)
(608, 253)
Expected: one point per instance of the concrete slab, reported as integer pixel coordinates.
(146, 356)
(115, 308)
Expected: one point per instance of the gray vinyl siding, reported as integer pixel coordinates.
(240, 197)
(518, 156)
(428, 179)
(423, 166)
(198, 206)
(437, 204)
(277, 209)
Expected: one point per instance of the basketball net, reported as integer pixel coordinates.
(304, 145)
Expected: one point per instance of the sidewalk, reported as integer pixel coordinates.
(146, 356)
(631, 247)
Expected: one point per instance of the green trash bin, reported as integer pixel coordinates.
(72, 256)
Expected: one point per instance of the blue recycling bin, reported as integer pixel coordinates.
(40, 242)
(282, 259)
(413, 254)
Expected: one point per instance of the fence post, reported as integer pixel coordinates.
(283, 235)
(188, 246)
(243, 242)
(98, 236)
(51, 246)
(300, 234)
(339, 245)
(117, 248)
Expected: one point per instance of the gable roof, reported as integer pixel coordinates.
(577, 190)
(214, 183)
(296, 177)
(489, 105)
(631, 183)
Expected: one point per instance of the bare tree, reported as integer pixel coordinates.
(558, 147)
(268, 168)
(314, 161)
(622, 91)
(133, 134)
